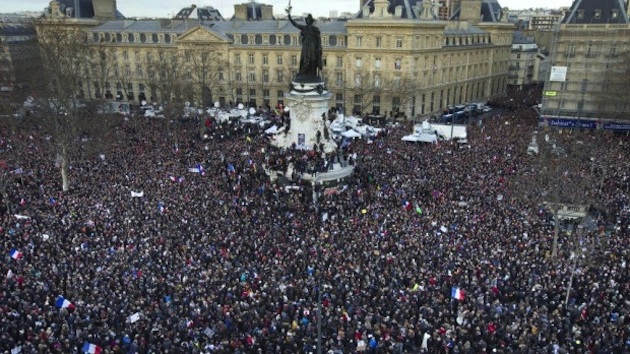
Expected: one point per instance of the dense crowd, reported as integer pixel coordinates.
(219, 259)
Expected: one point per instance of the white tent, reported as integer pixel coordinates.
(352, 134)
(422, 138)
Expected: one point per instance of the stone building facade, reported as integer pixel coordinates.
(395, 56)
(589, 43)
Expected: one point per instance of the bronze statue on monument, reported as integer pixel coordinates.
(311, 56)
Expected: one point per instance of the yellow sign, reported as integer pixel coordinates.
(550, 93)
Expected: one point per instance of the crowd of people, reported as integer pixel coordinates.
(191, 248)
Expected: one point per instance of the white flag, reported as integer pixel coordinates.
(137, 194)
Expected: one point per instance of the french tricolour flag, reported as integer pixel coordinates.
(15, 254)
(407, 205)
(63, 303)
(457, 293)
(91, 348)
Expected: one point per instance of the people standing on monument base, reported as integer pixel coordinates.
(231, 262)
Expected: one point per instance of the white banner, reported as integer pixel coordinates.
(558, 74)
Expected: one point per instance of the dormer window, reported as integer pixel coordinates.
(597, 14)
(580, 14)
(614, 14)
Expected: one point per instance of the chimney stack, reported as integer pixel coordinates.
(470, 10)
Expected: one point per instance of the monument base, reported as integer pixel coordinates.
(308, 102)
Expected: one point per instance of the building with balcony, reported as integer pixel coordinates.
(588, 44)
(394, 56)
(523, 70)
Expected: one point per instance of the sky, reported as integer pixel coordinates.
(168, 8)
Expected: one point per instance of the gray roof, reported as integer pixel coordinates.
(83, 8)
(469, 30)
(491, 11)
(584, 11)
(519, 38)
(222, 28)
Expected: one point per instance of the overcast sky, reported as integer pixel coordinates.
(167, 8)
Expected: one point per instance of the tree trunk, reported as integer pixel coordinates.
(65, 182)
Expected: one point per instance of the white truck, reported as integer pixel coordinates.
(444, 131)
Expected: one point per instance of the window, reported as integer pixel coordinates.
(399, 43)
(294, 40)
(237, 58)
(325, 41)
(359, 41)
(597, 14)
(613, 50)
(127, 70)
(294, 60)
(237, 76)
(250, 59)
(339, 62)
(265, 59)
(614, 14)
(377, 81)
(589, 50)
(397, 82)
(580, 14)
(357, 80)
(358, 62)
(377, 63)
(378, 42)
(397, 64)
(339, 79)
(139, 70)
(252, 76)
(265, 75)
(221, 77)
(125, 55)
(279, 59)
(280, 76)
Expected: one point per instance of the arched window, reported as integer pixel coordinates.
(258, 39)
(287, 39)
(244, 39)
(332, 41)
(272, 40)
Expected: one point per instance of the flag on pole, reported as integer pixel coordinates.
(63, 303)
(15, 254)
(407, 205)
(457, 293)
(91, 348)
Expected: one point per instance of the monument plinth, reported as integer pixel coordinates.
(308, 102)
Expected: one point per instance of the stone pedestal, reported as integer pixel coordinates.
(307, 101)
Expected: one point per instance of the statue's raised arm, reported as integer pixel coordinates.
(311, 58)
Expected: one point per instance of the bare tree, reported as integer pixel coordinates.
(63, 50)
(560, 177)
(612, 98)
(204, 68)
(102, 70)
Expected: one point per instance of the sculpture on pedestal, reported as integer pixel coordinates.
(311, 57)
